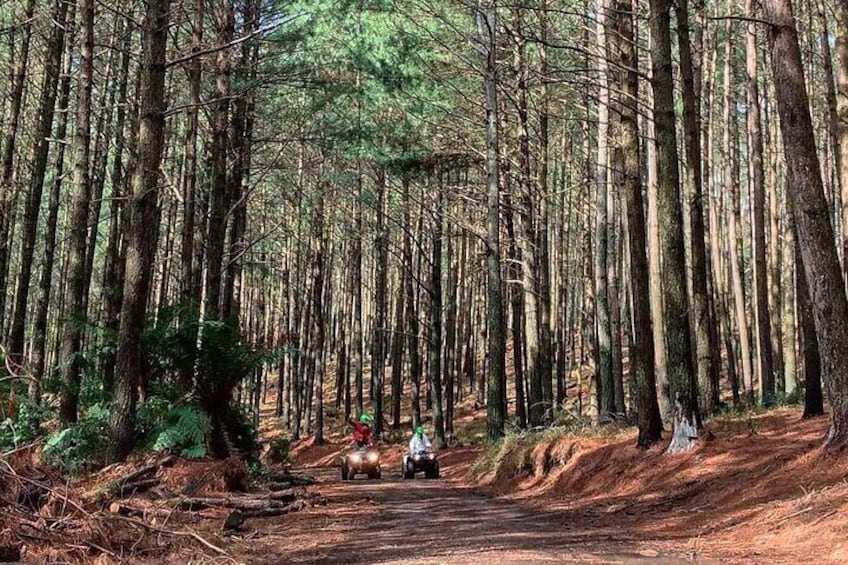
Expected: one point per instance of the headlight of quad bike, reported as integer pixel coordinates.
(372, 457)
(355, 458)
(416, 457)
(431, 456)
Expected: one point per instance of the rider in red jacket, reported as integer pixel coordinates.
(362, 431)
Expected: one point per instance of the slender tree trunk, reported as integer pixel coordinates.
(694, 191)
(32, 207)
(75, 300)
(681, 377)
(435, 315)
(757, 184)
(380, 322)
(46, 282)
(318, 323)
(216, 232)
(411, 309)
(142, 229)
(655, 279)
(487, 30)
(813, 399)
(814, 230)
(8, 192)
(113, 272)
(603, 339)
(626, 152)
(841, 52)
(397, 351)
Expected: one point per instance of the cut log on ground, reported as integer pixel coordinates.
(275, 510)
(293, 480)
(284, 495)
(241, 503)
(129, 489)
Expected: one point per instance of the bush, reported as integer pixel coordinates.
(184, 430)
(83, 445)
(280, 450)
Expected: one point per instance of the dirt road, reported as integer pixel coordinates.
(429, 522)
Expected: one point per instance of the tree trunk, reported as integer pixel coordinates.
(681, 377)
(603, 340)
(411, 309)
(813, 400)
(32, 208)
(435, 315)
(216, 232)
(757, 184)
(9, 192)
(814, 230)
(397, 351)
(626, 153)
(142, 229)
(74, 299)
(694, 191)
(380, 322)
(113, 271)
(46, 282)
(487, 30)
(841, 49)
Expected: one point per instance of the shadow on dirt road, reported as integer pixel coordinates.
(438, 522)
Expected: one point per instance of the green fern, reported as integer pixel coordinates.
(183, 429)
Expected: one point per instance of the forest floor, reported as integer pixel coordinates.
(756, 489)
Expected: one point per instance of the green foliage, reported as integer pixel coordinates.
(256, 471)
(183, 430)
(25, 427)
(83, 445)
(280, 450)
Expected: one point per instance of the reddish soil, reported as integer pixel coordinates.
(757, 490)
(427, 522)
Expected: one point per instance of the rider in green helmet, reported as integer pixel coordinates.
(362, 431)
(419, 442)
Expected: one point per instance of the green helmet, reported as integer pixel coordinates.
(419, 431)
(365, 419)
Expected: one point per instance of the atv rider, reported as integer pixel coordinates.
(362, 437)
(419, 442)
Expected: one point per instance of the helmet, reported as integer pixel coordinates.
(365, 419)
(419, 430)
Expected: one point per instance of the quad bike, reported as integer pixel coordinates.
(422, 461)
(361, 461)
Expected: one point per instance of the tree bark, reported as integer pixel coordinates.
(32, 207)
(814, 231)
(486, 16)
(694, 191)
(45, 285)
(757, 185)
(8, 192)
(603, 340)
(626, 153)
(681, 377)
(74, 300)
(141, 245)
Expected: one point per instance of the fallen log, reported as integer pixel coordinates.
(273, 487)
(241, 503)
(274, 511)
(143, 472)
(284, 495)
(293, 480)
(137, 478)
(136, 487)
